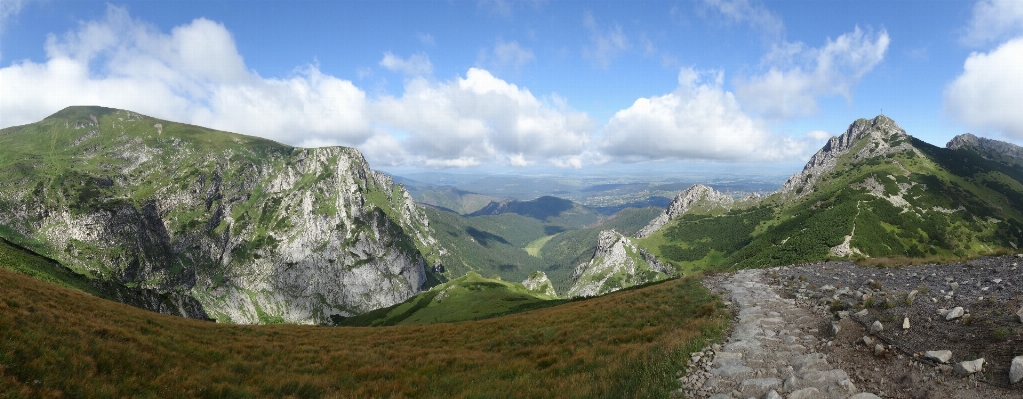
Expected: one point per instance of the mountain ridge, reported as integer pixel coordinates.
(249, 227)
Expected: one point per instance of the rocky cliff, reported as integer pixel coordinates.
(256, 231)
(869, 138)
(695, 196)
(540, 284)
(993, 150)
(617, 263)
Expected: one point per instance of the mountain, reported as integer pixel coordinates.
(872, 192)
(553, 211)
(448, 198)
(617, 263)
(254, 230)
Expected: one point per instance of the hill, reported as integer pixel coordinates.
(254, 230)
(470, 297)
(556, 213)
(872, 192)
(61, 342)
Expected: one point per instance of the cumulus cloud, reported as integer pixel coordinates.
(986, 96)
(993, 21)
(195, 75)
(819, 135)
(745, 12)
(415, 65)
(605, 44)
(697, 121)
(481, 118)
(798, 75)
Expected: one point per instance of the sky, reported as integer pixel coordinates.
(528, 86)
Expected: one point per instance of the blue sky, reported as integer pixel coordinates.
(528, 85)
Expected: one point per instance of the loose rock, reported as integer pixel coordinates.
(939, 356)
(955, 313)
(876, 327)
(1016, 370)
(905, 323)
(969, 367)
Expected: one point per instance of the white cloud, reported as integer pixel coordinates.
(987, 95)
(193, 75)
(993, 21)
(819, 135)
(510, 53)
(481, 118)
(799, 75)
(426, 38)
(699, 120)
(742, 11)
(605, 45)
(415, 65)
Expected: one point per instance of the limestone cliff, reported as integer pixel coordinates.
(697, 195)
(256, 231)
(617, 263)
(539, 283)
(870, 138)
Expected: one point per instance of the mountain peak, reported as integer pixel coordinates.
(868, 137)
(993, 150)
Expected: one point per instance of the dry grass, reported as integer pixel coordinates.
(56, 342)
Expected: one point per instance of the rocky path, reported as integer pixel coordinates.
(773, 350)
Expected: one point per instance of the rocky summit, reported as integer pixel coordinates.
(254, 230)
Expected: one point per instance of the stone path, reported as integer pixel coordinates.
(771, 353)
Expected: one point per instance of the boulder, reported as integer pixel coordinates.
(876, 327)
(939, 356)
(1016, 370)
(955, 313)
(969, 367)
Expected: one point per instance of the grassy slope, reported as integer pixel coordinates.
(40, 268)
(627, 344)
(803, 231)
(470, 297)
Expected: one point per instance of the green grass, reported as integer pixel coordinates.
(534, 248)
(623, 345)
(470, 297)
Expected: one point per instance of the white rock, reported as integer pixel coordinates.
(772, 395)
(1016, 370)
(939, 356)
(955, 313)
(867, 341)
(905, 323)
(864, 312)
(879, 350)
(835, 328)
(955, 286)
(876, 327)
(969, 367)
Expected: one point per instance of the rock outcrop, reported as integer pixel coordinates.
(989, 149)
(617, 263)
(870, 138)
(696, 196)
(539, 283)
(256, 231)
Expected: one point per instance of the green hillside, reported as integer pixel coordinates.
(887, 195)
(470, 297)
(59, 342)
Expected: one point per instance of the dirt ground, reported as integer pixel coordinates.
(989, 289)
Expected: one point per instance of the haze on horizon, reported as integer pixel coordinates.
(532, 86)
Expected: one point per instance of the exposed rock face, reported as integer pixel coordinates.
(258, 232)
(696, 195)
(539, 283)
(989, 149)
(617, 263)
(881, 136)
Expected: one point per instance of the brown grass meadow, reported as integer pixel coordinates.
(57, 342)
